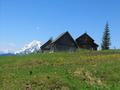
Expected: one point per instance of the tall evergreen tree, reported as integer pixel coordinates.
(106, 38)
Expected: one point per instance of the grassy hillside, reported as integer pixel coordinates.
(81, 70)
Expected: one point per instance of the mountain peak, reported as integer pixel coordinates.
(30, 48)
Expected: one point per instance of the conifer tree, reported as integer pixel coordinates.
(106, 38)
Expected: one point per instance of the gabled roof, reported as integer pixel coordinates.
(85, 35)
(46, 44)
(62, 35)
(94, 44)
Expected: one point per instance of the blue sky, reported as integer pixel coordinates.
(22, 21)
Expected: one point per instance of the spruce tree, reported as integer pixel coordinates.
(106, 38)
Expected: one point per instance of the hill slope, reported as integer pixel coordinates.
(82, 70)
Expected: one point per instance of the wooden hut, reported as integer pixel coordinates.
(86, 42)
(64, 42)
(46, 46)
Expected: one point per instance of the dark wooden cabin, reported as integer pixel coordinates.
(64, 42)
(86, 42)
(46, 46)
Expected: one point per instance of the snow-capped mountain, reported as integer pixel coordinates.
(34, 46)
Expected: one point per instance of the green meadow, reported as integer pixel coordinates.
(80, 70)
